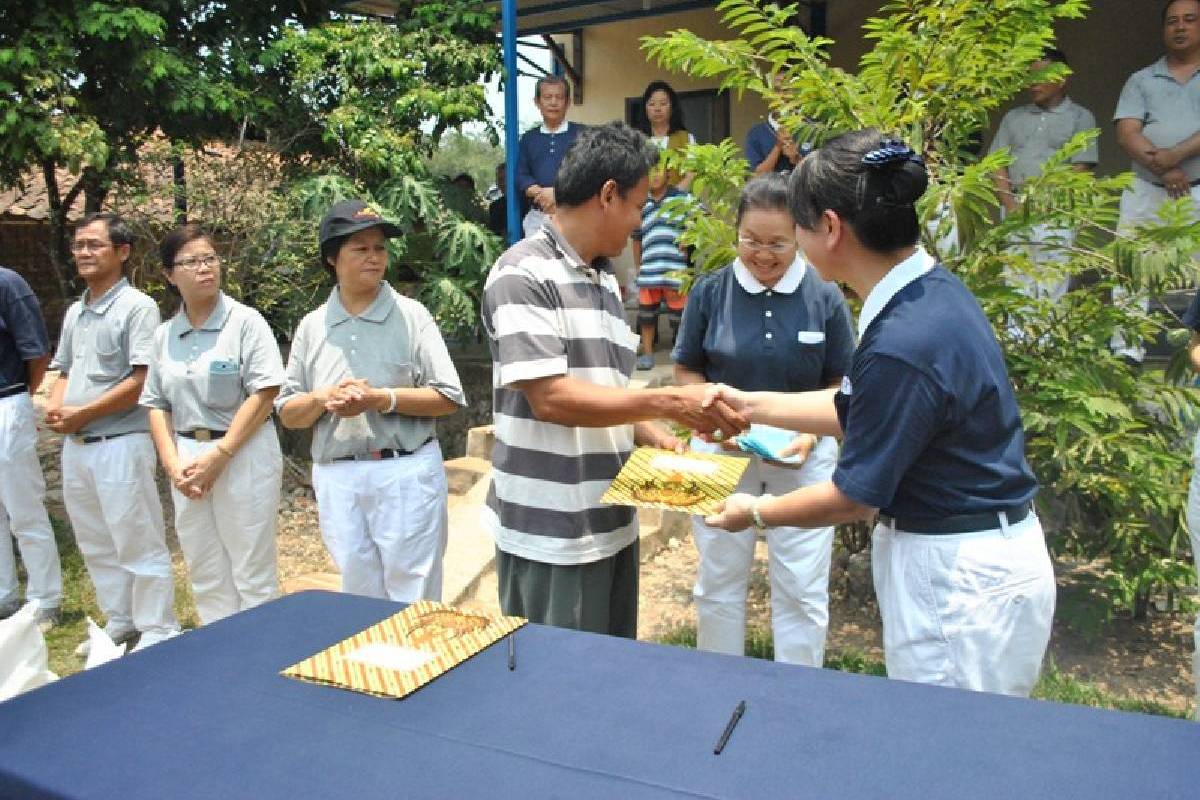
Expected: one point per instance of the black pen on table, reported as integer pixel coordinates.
(733, 721)
(512, 653)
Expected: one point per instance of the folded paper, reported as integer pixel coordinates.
(693, 482)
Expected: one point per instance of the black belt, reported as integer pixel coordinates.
(1163, 185)
(14, 390)
(959, 523)
(78, 439)
(202, 434)
(387, 452)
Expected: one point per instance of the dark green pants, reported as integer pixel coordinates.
(600, 597)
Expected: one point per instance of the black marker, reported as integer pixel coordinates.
(512, 653)
(733, 721)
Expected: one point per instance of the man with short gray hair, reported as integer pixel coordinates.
(542, 149)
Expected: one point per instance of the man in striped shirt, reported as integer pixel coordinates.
(565, 419)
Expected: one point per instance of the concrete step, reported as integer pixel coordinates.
(463, 473)
(480, 441)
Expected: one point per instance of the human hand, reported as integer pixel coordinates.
(544, 199)
(65, 419)
(1177, 183)
(801, 446)
(1163, 159)
(196, 478)
(351, 397)
(706, 415)
(733, 514)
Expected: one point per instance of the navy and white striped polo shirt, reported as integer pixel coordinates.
(547, 313)
(659, 236)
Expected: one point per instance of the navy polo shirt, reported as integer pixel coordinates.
(930, 421)
(793, 337)
(540, 153)
(1191, 317)
(23, 335)
(759, 142)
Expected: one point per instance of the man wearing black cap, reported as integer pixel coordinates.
(370, 369)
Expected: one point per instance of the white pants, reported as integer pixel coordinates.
(798, 564)
(1140, 203)
(23, 510)
(1046, 246)
(969, 610)
(228, 537)
(385, 522)
(111, 498)
(1193, 524)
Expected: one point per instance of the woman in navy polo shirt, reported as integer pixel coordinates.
(932, 436)
(767, 322)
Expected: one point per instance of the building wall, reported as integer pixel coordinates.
(24, 248)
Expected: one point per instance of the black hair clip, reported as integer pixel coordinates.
(890, 151)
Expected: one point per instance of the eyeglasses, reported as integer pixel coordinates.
(776, 248)
(212, 261)
(92, 246)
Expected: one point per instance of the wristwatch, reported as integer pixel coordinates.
(756, 516)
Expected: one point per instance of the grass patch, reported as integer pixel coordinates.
(1053, 685)
(79, 602)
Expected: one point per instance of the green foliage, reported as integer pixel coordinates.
(1108, 442)
(476, 155)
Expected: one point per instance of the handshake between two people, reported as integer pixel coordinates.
(722, 413)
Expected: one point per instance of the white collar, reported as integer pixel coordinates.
(559, 129)
(787, 284)
(896, 279)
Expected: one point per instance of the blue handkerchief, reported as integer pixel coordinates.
(767, 441)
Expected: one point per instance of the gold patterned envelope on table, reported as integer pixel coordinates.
(397, 656)
(693, 482)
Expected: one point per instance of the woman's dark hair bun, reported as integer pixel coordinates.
(902, 170)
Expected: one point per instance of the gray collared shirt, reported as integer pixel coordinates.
(394, 343)
(1033, 134)
(1169, 112)
(203, 375)
(102, 341)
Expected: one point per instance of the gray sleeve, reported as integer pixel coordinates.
(1086, 120)
(295, 381)
(1132, 102)
(262, 366)
(143, 321)
(1003, 137)
(431, 356)
(63, 354)
(152, 394)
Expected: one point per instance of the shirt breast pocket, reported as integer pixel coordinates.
(808, 359)
(109, 362)
(224, 384)
(387, 374)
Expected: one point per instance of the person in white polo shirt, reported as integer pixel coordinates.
(215, 373)
(108, 457)
(370, 370)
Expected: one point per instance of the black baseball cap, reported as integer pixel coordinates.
(352, 216)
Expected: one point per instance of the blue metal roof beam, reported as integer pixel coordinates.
(666, 8)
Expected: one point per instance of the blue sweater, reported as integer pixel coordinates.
(540, 154)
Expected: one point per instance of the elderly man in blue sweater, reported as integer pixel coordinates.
(542, 150)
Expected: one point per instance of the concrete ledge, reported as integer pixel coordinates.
(480, 441)
(463, 473)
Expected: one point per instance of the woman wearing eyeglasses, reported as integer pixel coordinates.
(767, 322)
(215, 374)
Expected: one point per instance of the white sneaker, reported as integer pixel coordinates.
(151, 639)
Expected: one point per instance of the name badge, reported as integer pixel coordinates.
(847, 387)
(223, 367)
(810, 337)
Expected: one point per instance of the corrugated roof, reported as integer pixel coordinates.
(556, 16)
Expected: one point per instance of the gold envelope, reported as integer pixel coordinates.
(712, 478)
(397, 656)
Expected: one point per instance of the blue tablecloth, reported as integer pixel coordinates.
(207, 715)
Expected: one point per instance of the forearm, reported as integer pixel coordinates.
(162, 431)
(250, 416)
(1134, 142)
(1004, 187)
(769, 161)
(302, 410)
(421, 402)
(648, 434)
(577, 403)
(57, 392)
(810, 412)
(35, 371)
(812, 507)
(121, 397)
(1188, 147)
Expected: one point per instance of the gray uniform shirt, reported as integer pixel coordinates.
(1169, 111)
(203, 375)
(101, 343)
(394, 343)
(1033, 134)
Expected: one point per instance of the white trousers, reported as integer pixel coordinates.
(111, 498)
(798, 565)
(1140, 203)
(228, 537)
(1045, 247)
(23, 510)
(385, 523)
(1193, 524)
(969, 610)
